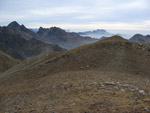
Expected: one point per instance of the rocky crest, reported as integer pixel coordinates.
(55, 35)
(140, 38)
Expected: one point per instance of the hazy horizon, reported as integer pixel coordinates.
(124, 33)
(79, 14)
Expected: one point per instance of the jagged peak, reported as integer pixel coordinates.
(56, 28)
(51, 29)
(41, 28)
(13, 24)
(23, 26)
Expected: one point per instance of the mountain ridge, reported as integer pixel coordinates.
(16, 44)
(140, 38)
(75, 59)
(55, 35)
(22, 30)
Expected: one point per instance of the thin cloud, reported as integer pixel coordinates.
(114, 14)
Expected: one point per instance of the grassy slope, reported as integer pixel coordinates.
(76, 80)
(6, 62)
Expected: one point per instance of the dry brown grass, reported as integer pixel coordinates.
(78, 92)
(6, 62)
(79, 80)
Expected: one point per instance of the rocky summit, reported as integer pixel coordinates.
(22, 30)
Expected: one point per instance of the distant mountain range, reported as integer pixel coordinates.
(140, 38)
(67, 40)
(99, 33)
(96, 33)
(20, 43)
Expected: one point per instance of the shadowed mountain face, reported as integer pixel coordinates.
(140, 38)
(62, 38)
(10, 51)
(104, 76)
(22, 30)
(18, 42)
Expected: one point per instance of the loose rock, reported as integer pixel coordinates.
(146, 109)
(123, 90)
(142, 92)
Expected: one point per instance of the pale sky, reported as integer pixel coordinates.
(78, 14)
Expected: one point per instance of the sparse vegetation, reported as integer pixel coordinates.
(6, 62)
(109, 76)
